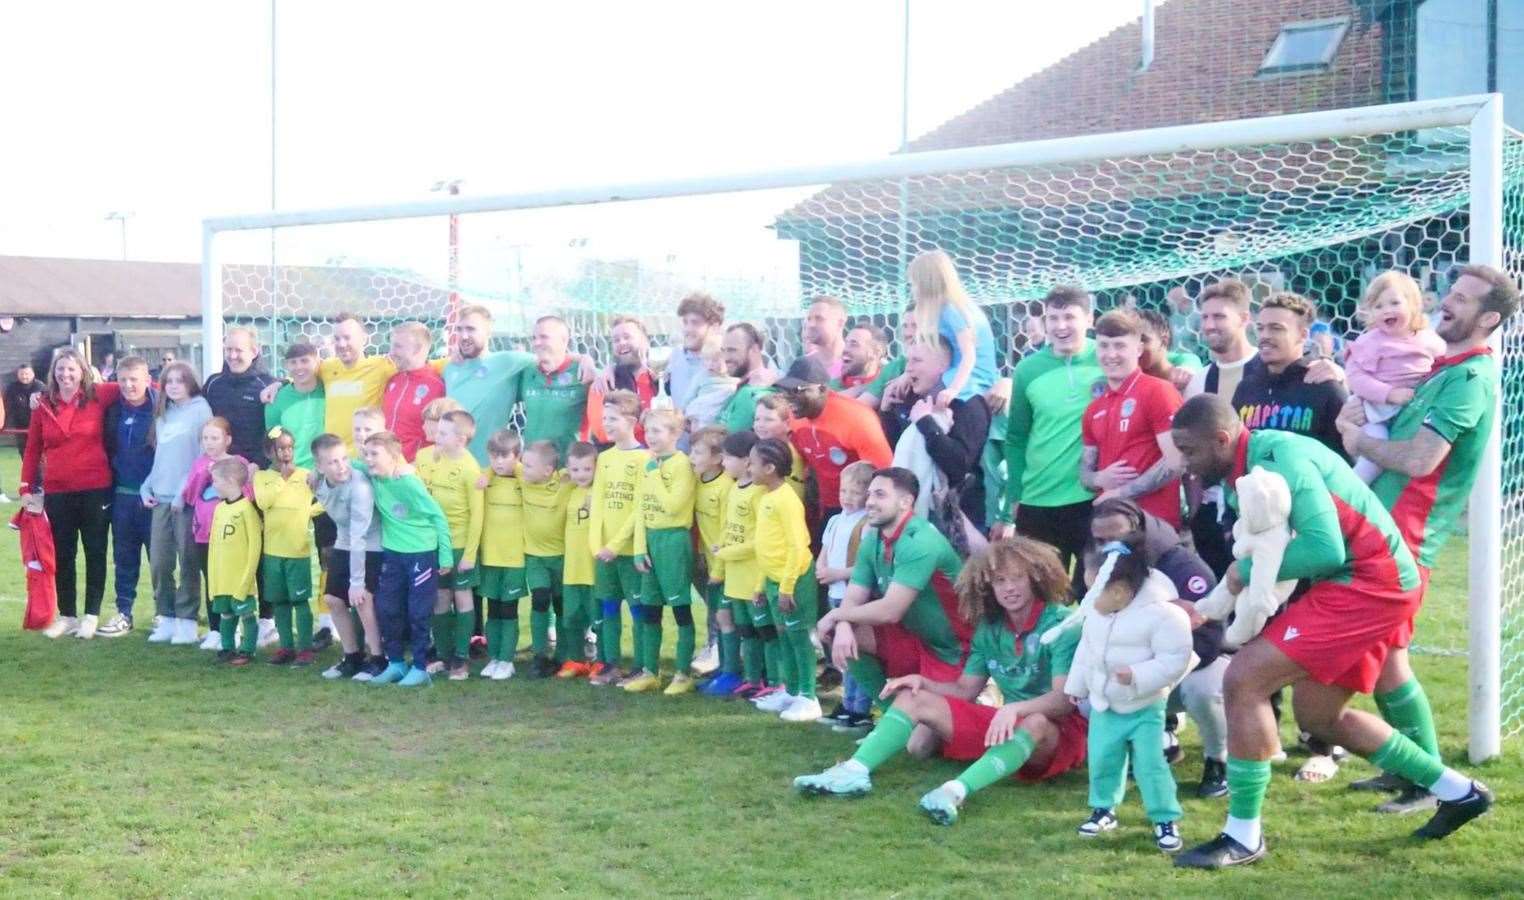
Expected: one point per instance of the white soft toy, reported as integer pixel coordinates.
(1261, 535)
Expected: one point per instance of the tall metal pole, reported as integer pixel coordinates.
(904, 222)
(274, 275)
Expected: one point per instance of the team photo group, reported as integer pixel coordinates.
(1036, 574)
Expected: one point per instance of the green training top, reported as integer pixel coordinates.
(554, 404)
(302, 415)
(1342, 532)
(1459, 403)
(892, 369)
(411, 520)
(917, 556)
(1042, 438)
(741, 409)
(1022, 666)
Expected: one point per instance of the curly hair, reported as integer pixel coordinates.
(1035, 559)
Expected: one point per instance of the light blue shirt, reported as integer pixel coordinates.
(177, 443)
(984, 373)
(488, 388)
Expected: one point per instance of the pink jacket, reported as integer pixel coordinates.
(1377, 363)
(200, 497)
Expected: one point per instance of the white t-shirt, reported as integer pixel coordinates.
(1228, 376)
(835, 543)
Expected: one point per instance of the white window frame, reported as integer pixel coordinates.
(1341, 23)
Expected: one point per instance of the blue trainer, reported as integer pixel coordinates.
(394, 672)
(416, 677)
(721, 685)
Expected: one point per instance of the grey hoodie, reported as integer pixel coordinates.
(177, 443)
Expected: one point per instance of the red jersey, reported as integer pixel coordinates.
(402, 403)
(66, 444)
(1124, 424)
(844, 432)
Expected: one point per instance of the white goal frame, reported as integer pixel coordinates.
(1481, 114)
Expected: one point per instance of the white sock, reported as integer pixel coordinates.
(325, 621)
(1451, 785)
(956, 788)
(853, 765)
(1245, 831)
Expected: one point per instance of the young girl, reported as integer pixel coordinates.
(1392, 356)
(179, 415)
(201, 498)
(942, 307)
(1134, 648)
(788, 585)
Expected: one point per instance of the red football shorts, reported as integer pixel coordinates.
(902, 653)
(971, 721)
(1341, 633)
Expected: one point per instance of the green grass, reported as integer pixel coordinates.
(132, 770)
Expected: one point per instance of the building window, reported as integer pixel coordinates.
(1304, 47)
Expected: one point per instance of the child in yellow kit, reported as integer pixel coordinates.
(233, 560)
(545, 493)
(285, 499)
(450, 473)
(736, 555)
(611, 533)
(502, 551)
(578, 607)
(709, 500)
(788, 587)
(664, 552)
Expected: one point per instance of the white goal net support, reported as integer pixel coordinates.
(1317, 203)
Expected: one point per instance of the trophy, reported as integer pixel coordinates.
(657, 361)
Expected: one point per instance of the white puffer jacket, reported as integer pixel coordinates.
(1151, 635)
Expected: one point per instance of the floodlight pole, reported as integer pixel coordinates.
(452, 312)
(1485, 525)
(904, 218)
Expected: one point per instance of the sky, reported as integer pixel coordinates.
(163, 108)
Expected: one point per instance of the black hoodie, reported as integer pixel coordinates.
(1190, 576)
(235, 397)
(1286, 402)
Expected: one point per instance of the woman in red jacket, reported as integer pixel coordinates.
(66, 447)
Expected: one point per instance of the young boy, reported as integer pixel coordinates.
(354, 569)
(838, 553)
(285, 499)
(545, 494)
(664, 552)
(611, 533)
(233, 557)
(451, 475)
(788, 587)
(735, 565)
(577, 604)
(416, 547)
(433, 413)
(709, 499)
(367, 420)
(502, 551)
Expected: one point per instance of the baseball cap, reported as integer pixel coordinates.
(804, 371)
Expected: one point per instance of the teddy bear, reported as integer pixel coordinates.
(1261, 535)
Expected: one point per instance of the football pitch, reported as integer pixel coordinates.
(131, 770)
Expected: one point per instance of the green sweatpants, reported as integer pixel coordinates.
(1113, 737)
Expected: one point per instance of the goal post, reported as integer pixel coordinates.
(1316, 202)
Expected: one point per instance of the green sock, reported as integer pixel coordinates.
(303, 625)
(464, 622)
(1407, 710)
(283, 625)
(508, 641)
(1401, 756)
(998, 762)
(609, 638)
(444, 634)
(787, 676)
(539, 631)
(804, 663)
(886, 740)
(772, 661)
(868, 672)
(1248, 779)
(651, 634)
(225, 628)
(250, 637)
(751, 659)
(494, 629)
(730, 653)
(686, 635)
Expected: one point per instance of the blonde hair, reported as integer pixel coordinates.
(386, 441)
(624, 403)
(437, 409)
(1406, 289)
(934, 283)
(1034, 559)
(711, 437)
(369, 412)
(671, 418)
(464, 422)
(231, 468)
(858, 474)
(417, 330)
(86, 375)
(505, 442)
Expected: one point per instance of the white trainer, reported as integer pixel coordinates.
(267, 633)
(212, 641)
(87, 626)
(803, 709)
(776, 702)
(117, 626)
(61, 626)
(163, 630)
(185, 633)
(503, 672)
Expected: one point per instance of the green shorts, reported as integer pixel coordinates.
(543, 572)
(225, 605)
(577, 598)
(806, 599)
(286, 580)
(616, 580)
(458, 580)
(501, 582)
(761, 614)
(669, 555)
(741, 611)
